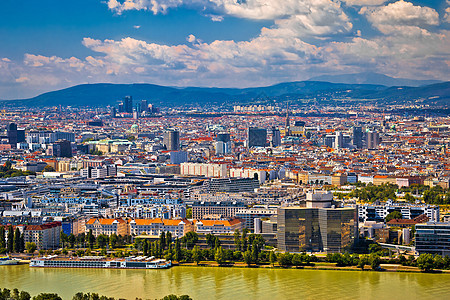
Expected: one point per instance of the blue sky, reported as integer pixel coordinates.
(48, 44)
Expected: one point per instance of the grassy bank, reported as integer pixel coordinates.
(316, 266)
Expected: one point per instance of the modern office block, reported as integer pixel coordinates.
(433, 237)
(373, 140)
(276, 137)
(316, 229)
(256, 137)
(172, 140)
(128, 104)
(357, 137)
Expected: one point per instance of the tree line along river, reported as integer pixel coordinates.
(227, 283)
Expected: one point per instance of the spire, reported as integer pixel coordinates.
(287, 125)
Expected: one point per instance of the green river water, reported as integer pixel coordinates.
(203, 283)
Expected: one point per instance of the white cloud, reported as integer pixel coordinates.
(364, 2)
(191, 38)
(137, 26)
(402, 13)
(22, 79)
(447, 15)
(249, 9)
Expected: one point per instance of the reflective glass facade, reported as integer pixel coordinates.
(316, 229)
(433, 238)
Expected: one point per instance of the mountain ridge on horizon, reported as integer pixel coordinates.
(374, 78)
(103, 94)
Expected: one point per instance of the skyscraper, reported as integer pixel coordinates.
(339, 140)
(128, 104)
(144, 106)
(256, 137)
(223, 144)
(172, 140)
(373, 140)
(223, 137)
(14, 135)
(276, 137)
(357, 137)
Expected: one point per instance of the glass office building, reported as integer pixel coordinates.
(433, 237)
(316, 229)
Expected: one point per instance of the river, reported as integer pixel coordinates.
(205, 283)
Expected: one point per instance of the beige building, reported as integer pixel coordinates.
(45, 236)
(177, 228)
(218, 226)
(107, 226)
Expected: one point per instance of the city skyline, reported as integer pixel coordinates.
(217, 43)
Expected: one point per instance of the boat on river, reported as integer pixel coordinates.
(133, 262)
(6, 260)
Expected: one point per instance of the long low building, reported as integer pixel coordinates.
(433, 237)
(224, 209)
(378, 212)
(107, 226)
(218, 226)
(177, 227)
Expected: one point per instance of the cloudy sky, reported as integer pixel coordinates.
(48, 44)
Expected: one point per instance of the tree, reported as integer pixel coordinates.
(31, 247)
(255, 252)
(196, 254)
(90, 238)
(210, 240)
(175, 297)
(297, 260)
(272, 258)
(71, 239)
(178, 253)
(237, 239)
(10, 245)
(375, 261)
(24, 296)
(168, 239)
(363, 260)
(102, 241)
(393, 215)
(425, 262)
(144, 248)
(113, 240)
(190, 239)
(218, 256)
(2, 237)
(63, 238)
(285, 259)
(189, 213)
(162, 240)
(439, 262)
(46, 296)
(247, 256)
(244, 239)
(409, 198)
(48, 168)
(16, 245)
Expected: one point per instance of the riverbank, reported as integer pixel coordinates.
(313, 266)
(317, 266)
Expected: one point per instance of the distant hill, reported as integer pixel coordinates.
(373, 78)
(104, 94)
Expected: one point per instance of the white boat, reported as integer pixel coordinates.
(5, 260)
(140, 262)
